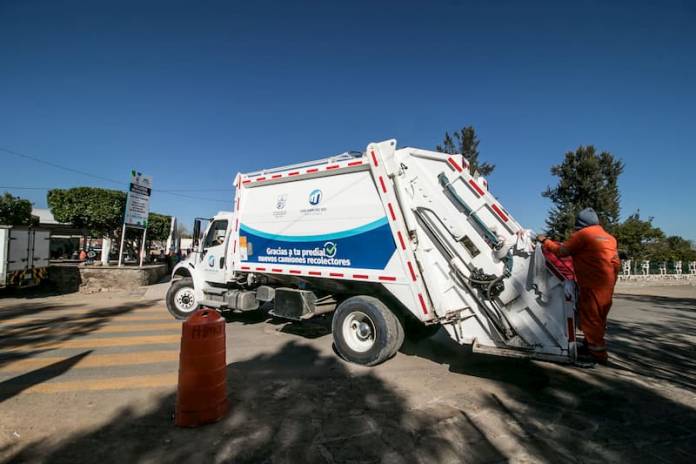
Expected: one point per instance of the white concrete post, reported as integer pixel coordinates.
(106, 249)
(120, 249)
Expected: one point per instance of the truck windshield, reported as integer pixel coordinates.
(216, 234)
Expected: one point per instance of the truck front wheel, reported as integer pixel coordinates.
(365, 331)
(181, 299)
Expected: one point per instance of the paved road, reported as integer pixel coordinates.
(92, 379)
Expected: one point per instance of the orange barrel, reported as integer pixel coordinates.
(202, 394)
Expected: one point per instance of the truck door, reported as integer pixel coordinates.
(41, 248)
(212, 260)
(18, 250)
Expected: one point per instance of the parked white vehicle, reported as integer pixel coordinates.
(24, 254)
(403, 240)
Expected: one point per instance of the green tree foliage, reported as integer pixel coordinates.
(97, 210)
(14, 211)
(466, 142)
(673, 248)
(635, 236)
(639, 239)
(585, 179)
(158, 226)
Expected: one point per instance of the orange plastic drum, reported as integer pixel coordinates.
(202, 394)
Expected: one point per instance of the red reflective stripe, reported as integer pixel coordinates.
(355, 163)
(360, 276)
(335, 274)
(259, 179)
(413, 273)
(237, 203)
(293, 173)
(246, 267)
(476, 187)
(312, 170)
(391, 211)
(571, 330)
(387, 278)
(295, 271)
(333, 166)
(246, 181)
(234, 247)
(276, 270)
(314, 273)
(454, 164)
(384, 187)
(499, 212)
(374, 158)
(236, 224)
(422, 302)
(260, 268)
(401, 240)
(276, 176)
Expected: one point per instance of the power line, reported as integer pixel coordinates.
(181, 195)
(58, 166)
(13, 187)
(173, 192)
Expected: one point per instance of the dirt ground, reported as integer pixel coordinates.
(92, 378)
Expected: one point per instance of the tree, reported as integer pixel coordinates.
(158, 226)
(14, 211)
(585, 179)
(466, 143)
(637, 236)
(673, 248)
(97, 210)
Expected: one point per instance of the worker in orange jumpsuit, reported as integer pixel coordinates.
(597, 264)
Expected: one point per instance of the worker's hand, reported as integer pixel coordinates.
(541, 238)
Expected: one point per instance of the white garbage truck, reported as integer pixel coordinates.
(401, 241)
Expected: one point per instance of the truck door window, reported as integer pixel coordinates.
(216, 234)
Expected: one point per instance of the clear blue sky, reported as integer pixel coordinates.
(192, 92)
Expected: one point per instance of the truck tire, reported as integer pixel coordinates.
(365, 331)
(181, 299)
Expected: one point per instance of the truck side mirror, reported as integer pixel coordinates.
(196, 241)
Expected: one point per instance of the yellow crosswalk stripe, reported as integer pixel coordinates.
(164, 316)
(110, 328)
(104, 342)
(95, 360)
(115, 383)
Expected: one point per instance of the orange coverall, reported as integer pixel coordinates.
(597, 264)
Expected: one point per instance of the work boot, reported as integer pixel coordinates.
(585, 361)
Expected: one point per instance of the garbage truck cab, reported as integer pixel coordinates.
(395, 242)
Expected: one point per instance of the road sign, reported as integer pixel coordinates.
(138, 203)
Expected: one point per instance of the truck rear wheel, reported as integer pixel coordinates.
(181, 298)
(365, 331)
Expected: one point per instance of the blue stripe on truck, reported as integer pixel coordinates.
(309, 238)
(366, 247)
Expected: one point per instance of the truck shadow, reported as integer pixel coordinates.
(296, 405)
(293, 405)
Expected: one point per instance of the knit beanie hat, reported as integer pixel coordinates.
(586, 217)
